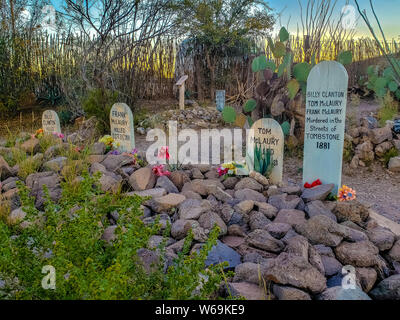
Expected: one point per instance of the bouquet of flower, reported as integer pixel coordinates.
(346, 194)
(38, 134)
(58, 135)
(109, 142)
(231, 169)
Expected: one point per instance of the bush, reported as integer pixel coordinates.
(98, 103)
(389, 109)
(68, 238)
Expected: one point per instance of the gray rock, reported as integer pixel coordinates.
(150, 260)
(283, 201)
(244, 207)
(317, 207)
(209, 219)
(317, 193)
(382, 238)
(360, 254)
(142, 179)
(202, 187)
(380, 135)
(166, 203)
(261, 239)
(265, 208)
(322, 230)
(98, 148)
(114, 162)
(338, 293)
(249, 183)
(165, 183)
(249, 272)
(192, 209)
(5, 169)
(353, 211)
(248, 194)
(394, 253)
(246, 290)
(394, 164)
(230, 182)
(258, 221)
(180, 228)
(222, 253)
(291, 217)
(278, 230)
(289, 293)
(388, 289)
(294, 270)
(367, 278)
(55, 165)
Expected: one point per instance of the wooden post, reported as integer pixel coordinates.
(181, 85)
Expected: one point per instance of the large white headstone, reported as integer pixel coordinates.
(122, 127)
(266, 136)
(325, 123)
(51, 122)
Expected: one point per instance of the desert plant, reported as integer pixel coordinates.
(389, 109)
(280, 84)
(98, 103)
(69, 238)
(263, 160)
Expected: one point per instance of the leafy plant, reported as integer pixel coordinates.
(279, 83)
(389, 109)
(263, 160)
(98, 103)
(68, 236)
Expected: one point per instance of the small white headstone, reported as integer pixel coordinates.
(122, 127)
(325, 123)
(266, 136)
(51, 122)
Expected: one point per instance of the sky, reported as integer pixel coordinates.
(388, 11)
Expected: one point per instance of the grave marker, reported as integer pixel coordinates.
(181, 85)
(266, 134)
(325, 123)
(122, 127)
(51, 122)
(220, 99)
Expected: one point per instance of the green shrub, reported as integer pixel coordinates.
(393, 152)
(98, 103)
(69, 239)
(389, 109)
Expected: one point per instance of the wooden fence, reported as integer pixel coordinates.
(151, 70)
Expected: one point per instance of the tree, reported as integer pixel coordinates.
(218, 26)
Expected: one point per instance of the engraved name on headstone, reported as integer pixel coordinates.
(325, 123)
(51, 122)
(122, 127)
(265, 145)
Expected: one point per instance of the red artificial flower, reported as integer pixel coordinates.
(316, 183)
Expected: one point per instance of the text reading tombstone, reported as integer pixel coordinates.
(325, 123)
(266, 136)
(122, 128)
(50, 122)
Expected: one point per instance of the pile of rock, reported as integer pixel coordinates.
(193, 117)
(289, 237)
(371, 142)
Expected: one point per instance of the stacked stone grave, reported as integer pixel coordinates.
(372, 143)
(291, 239)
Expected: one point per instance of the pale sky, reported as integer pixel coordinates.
(388, 12)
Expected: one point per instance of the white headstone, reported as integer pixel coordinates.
(266, 136)
(51, 122)
(325, 123)
(122, 127)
